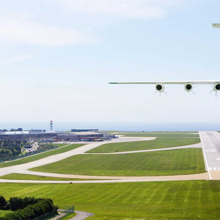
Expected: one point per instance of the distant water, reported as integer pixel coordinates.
(115, 126)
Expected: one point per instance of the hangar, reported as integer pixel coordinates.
(88, 135)
(64, 136)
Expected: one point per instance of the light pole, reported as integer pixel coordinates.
(216, 25)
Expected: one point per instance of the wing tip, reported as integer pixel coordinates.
(112, 83)
(216, 25)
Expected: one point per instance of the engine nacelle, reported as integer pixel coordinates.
(216, 87)
(160, 87)
(188, 87)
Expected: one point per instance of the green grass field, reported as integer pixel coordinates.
(159, 134)
(130, 201)
(58, 145)
(173, 162)
(4, 212)
(18, 176)
(145, 145)
(153, 132)
(40, 156)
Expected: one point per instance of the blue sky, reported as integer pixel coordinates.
(57, 57)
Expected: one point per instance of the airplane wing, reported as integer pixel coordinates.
(188, 85)
(170, 82)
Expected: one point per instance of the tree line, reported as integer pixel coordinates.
(26, 208)
(10, 148)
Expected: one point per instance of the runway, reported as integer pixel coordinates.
(211, 152)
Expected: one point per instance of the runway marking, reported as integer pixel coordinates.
(219, 168)
(211, 150)
(215, 168)
(206, 162)
(209, 168)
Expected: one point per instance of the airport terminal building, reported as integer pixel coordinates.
(29, 134)
(43, 135)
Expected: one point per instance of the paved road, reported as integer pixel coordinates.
(211, 151)
(202, 176)
(81, 215)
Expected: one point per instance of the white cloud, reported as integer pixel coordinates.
(138, 9)
(15, 59)
(80, 14)
(15, 31)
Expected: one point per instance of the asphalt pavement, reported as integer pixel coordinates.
(211, 152)
(81, 215)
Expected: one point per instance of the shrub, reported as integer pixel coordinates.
(19, 203)
(15, 203)
(31, 211)
(2, 202)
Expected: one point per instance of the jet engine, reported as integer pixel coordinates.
(216, 87)
(188, 87)
(160, 87)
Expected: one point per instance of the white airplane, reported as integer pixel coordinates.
(188, 85)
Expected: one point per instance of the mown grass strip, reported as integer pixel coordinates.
(140, 134)
(58, 145)
(145, 145)
(172, 162)
(159, 134)
(133, 201)
(41, 155)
